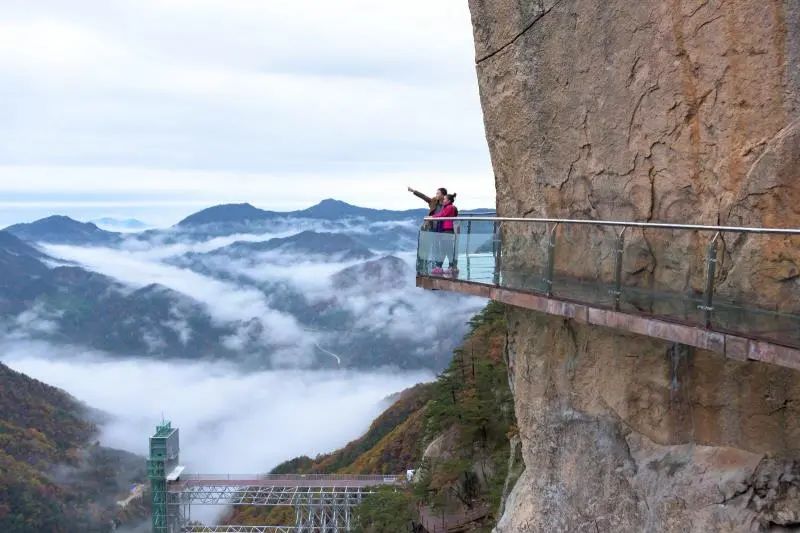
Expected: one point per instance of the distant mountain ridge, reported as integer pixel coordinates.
(387, 272)
(308, 243)
(319, 272)
(63, 230)
(227, 213)
(328, 209)
(125, 224)
(72, 304)
(213, 221)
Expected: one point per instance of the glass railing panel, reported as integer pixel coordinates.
(771, 326)
(477, 246)
(523, 257)
(662, 271)
(462, 254)
(583, 269)
(663, 274)
(424, 252)
(757, 287)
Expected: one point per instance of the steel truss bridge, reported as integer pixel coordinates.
(322, 503)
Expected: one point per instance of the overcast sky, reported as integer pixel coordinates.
(156, 108)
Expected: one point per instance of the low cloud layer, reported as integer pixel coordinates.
(224, 301)
(286, 301)
(231, 421)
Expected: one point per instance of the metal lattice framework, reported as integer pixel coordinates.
(270, 495)
(322, 503)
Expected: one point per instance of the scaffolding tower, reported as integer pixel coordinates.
(162, 467)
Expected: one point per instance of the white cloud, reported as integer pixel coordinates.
(55, 46)
(231, 421)
(179, 325)
(34, 321)
(248, 293)
(225, 302)
(415, 314)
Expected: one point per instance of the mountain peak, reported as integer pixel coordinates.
(112, 223)
(60, 220)
(308, 243)
(330, 208)
(226, 213)
(333, 202)
(61, 229)
(387, 272)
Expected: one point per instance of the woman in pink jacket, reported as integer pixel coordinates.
(446, 237)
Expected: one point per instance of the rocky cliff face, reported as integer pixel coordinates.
(681, 111)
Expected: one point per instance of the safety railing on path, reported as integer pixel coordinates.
(743, 281)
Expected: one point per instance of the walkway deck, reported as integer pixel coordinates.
(734, 346)
(516, 261)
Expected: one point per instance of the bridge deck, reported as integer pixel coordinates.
(253, 529)
(310, 481)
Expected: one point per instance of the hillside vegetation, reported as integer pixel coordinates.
(454, 431)
(53, 478)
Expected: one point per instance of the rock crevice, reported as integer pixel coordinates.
(542, 11)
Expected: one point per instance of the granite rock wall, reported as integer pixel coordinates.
(654, 110)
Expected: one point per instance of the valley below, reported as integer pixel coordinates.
(231, 421)
(263, 336)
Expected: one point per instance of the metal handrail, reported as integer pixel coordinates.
(618, 223)
(472, 215)
(545, 280)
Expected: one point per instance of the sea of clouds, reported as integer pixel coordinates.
(231, 421)
(234, 419)
(233, 294)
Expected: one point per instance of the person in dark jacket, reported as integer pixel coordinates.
(434, 204)
(428, 240)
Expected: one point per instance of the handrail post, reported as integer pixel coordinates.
(551, 260)
(469, 232)
(619, 250)
(454, 257)
(495, 254)
(711, 269)
(500, 253)
(420, 270)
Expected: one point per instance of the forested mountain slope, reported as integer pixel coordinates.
(53, 476)
(455, 432)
